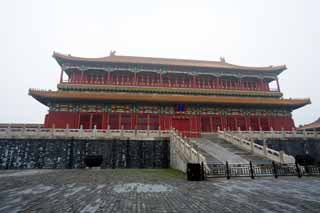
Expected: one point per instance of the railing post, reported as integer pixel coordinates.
(23, 129)
(202, 171)
(67, 130)
(53, 130)
(198, 156)
(227, 170)
(148, 130)
(107, 131)
(252, 146)
(251, 170)
(298, 170)
(265, 147)
(261, 134)
(281, 153)
(38, 129)
(275, 170)
(304, 133)
(294, 131)
(8, 130)
(81, 130)
(121, 131)
(94, 131)
(250, 132)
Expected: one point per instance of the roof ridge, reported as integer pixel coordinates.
(167, 61)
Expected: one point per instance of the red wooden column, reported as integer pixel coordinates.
(218, 82)
(261, 84)
(259, 122)
(103, 122)
(193, 81)
(107, 120)
(211, 126)
(222, 126)
(269, 122)
(90, 124)
(122, 80)
(160, 77)
(119, 119)
(81, 77)
(196, 82)
(78, 121)
(109, 77)
(134, 78)
(235, 123)
(246, 122)
(240, 84)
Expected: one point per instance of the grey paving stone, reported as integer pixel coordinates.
(151, 190)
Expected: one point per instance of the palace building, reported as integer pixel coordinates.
(128, 92)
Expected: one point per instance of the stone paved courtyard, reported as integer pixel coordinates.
(147, 190)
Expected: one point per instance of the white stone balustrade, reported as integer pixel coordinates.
(87, 134)
(261, 135)
(181, 153)
(261, 150)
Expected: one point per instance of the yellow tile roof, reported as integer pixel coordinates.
(166, 62)
(45, 96)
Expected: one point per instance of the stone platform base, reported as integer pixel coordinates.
(59, 153)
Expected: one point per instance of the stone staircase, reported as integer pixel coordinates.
(217, 150)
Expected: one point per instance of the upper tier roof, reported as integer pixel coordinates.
(62, 58)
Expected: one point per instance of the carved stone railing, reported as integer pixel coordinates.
(261, 150)
(88, 134)
(182, 152)
(277, 134)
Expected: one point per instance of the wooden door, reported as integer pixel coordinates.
(181, 124)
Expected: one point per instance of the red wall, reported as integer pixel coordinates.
(196, 123)
(61, 119)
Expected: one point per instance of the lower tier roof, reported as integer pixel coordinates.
(46, 97)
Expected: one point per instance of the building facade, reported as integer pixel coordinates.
(314, 126)
(126, 92)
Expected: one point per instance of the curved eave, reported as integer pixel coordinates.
(62, 58)
(48, 96)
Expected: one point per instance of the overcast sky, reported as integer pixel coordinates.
(250, 33)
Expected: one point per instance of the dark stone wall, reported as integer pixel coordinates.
(296, 147)
(56, 153)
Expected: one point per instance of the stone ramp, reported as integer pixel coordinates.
(223, 151)
(209, 158)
